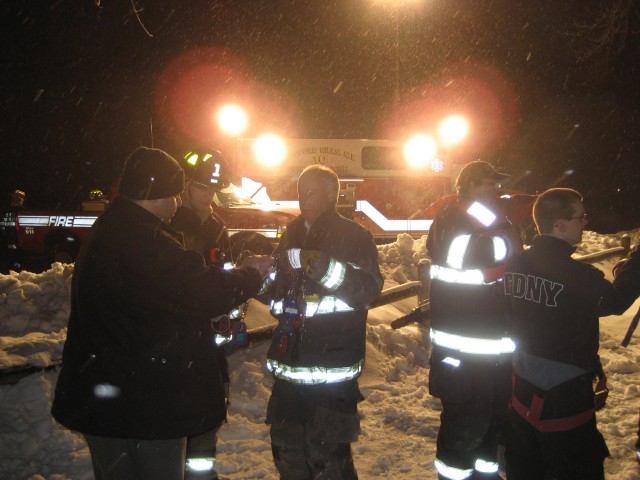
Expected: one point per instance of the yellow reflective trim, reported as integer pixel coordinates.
(451, 275)
(485, 466)
(499, 249)
(457, 249)
(314, 375)
(200, 464)
(335, 275)
(328, 304)
(452, 473)
(473, 345)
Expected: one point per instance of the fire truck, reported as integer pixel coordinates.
(42, 237)
(378, 188)
(381, 186)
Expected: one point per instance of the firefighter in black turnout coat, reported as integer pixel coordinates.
(204, 231)
(555, 304)
(469, 243)
(327, 277)
(139, 373)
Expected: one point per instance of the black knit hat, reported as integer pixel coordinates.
(150, 173)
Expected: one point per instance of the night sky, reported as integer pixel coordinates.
(85, 82)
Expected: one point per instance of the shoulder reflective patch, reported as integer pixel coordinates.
(482, 214)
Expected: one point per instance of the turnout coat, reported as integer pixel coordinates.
(333, 336)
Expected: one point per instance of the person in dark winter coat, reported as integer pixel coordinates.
(555, 302)
(205, 232)
(327, 277)
(469, 243)
(139, 373)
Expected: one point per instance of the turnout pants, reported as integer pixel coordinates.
(312, 427)
(201, 456)
(475, 397)
(132, 459)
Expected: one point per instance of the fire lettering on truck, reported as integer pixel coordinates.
(61, 221)
(69, 221)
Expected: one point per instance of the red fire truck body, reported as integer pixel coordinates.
(57, 236)
(378, 187)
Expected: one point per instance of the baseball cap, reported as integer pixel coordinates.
(479, 170)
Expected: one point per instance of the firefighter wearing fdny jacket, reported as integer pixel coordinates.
(469, 242)
(205, 232)
(327, 277)
(555, 303)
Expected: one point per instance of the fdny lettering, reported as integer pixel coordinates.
(61, 221)
(533, 289)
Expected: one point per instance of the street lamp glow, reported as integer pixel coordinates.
(269, 149)
(453, 129)
(420, 150)
(232, 119)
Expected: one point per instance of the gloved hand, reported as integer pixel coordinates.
(308, 260)
(263, 263)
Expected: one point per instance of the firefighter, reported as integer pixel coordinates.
(555, 303)
(202, 228)
(205, 232)
(327, 277)
(469, 243)
(9, 254)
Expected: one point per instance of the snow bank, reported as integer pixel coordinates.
(400, 419)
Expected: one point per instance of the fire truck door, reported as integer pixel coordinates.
(347, 200)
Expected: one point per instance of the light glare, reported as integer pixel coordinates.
(453, 129)
(232, 119)
(420, 150)
(269, 149)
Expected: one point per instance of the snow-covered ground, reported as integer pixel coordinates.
(399, 418)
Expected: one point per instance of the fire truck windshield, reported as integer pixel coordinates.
(232, 196)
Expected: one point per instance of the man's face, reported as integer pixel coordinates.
(166, 207)
(199, 197)
(571, 228)
(484, 191)
(315, 197)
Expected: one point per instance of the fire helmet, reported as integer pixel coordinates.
(208, 169)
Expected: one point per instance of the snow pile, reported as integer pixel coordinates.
(400, 419)
(399, 260)
(35, 302)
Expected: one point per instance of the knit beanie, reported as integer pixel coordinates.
(150, 173)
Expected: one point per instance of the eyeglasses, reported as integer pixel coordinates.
(584, 216)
